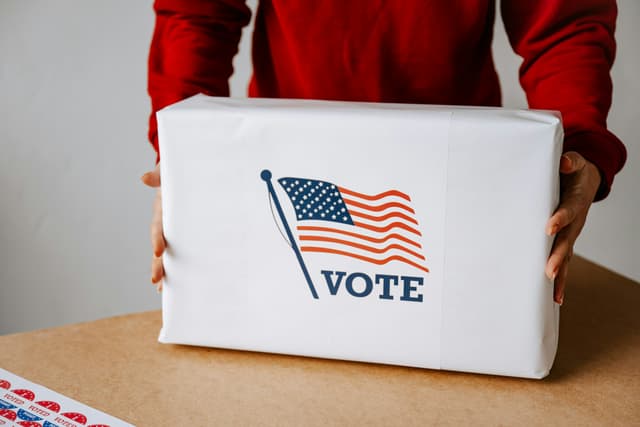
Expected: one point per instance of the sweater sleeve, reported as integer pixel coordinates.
(192, 50)
(568, 48)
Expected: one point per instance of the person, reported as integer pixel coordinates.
(410, 51)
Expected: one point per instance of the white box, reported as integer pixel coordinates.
(436, 261)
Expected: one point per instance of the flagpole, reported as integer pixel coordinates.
(266, 177)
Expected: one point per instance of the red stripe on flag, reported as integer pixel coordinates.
(388, 227)
(383, 217)
(375, 197)
(363, 247)
(360, 236)
(364, 258)
(378, 208)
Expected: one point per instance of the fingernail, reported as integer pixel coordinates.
(554, 229)
(561, 299)
(554, 273)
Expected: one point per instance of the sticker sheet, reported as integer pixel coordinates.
(25, 404)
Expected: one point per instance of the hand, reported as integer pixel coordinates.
(579, 182)
(158, 243)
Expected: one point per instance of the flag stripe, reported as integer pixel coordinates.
(383, 217)
(359, 236)
(364, 258)
(377, 208)
(375, 197)
(374, 228)
(363, 247)
(388, 227)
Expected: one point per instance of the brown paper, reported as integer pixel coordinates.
(117, 366)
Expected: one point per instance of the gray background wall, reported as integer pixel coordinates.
(74, 222)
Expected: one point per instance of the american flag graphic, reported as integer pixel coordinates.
(378, 228)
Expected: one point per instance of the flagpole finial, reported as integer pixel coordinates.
(265, 175)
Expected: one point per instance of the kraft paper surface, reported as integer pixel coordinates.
(117, 366)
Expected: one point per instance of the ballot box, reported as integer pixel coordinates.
(388, 233)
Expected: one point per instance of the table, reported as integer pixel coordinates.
(117, 366)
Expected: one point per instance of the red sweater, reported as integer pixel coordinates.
(412, 51)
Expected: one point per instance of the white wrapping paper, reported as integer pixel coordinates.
(399, 234)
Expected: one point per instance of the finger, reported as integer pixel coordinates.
(159, 286)
(564, 215)
(152, 178)
(571, 162)
(561, 282)
(575, 202)
(563, 244)
(562, 249)
(157, 270)
(158, 242)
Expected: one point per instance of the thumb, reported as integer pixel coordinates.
(571, 162)
(152, 178)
